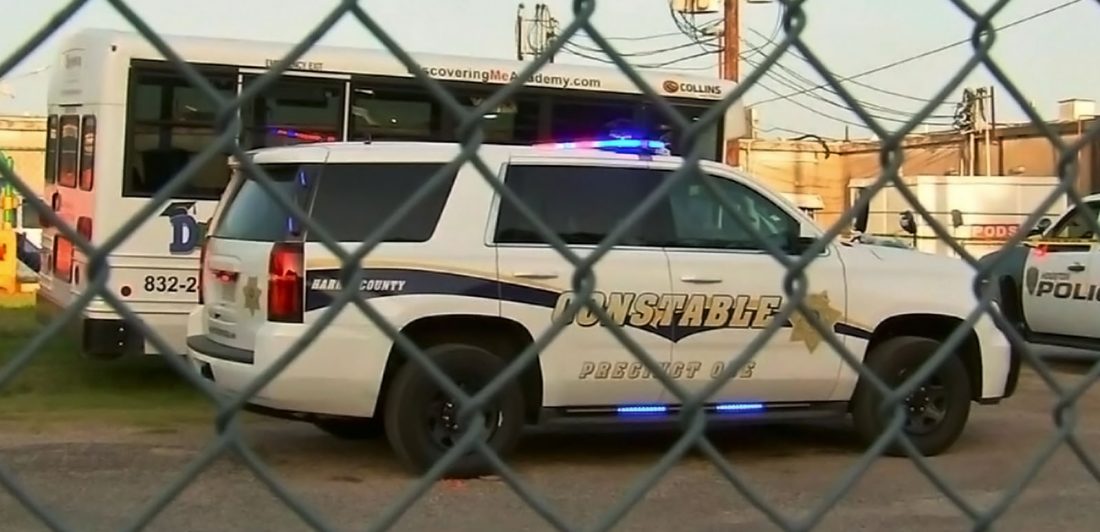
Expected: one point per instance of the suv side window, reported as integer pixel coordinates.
(1075, 226)
(354, 199)
(581, 204)
(701, 221)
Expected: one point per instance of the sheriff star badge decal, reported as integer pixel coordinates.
(803, 331)
(251, 293)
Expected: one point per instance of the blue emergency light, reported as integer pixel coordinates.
(617, 145)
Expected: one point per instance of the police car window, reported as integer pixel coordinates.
(580, 204)
(701, 221)
(1075, 226)
(352, 200)
(253, 214)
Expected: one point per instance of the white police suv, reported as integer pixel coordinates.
(1049, 285)
(468, 278)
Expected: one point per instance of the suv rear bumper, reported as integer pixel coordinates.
(333, 376)
(204, 346)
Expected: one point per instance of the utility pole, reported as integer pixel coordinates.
(974, 117)
(534, 35)
(983, 125)
(729, 56)
(731, 62)
(731, 40)
(519, 32)
(965, 121)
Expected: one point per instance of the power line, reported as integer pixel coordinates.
(814, 110)
(644, 37)
(800, 79)
(870, 108)
(586, 54)
(923, 55)
(771, 41)
(691, 29)
(680, 46)
(833, 117)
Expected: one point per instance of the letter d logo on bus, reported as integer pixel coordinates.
(186, 231)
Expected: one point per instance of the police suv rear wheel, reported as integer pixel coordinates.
(936, 411)
(422, 422)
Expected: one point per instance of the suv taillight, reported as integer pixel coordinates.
(202, 266)
(284, 283)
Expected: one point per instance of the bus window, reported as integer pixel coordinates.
(50, 173)
(580, 120)
(294, 111)
(512, 122)
(87, 154)
(392, 114)
(658, 126)
(69, 150)
(169, 123)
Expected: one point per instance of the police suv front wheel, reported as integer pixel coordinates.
(935, 412)
(423, 423)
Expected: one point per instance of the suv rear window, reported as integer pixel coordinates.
(352, 200)
(253, 214)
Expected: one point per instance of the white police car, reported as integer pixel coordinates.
(1049, 286)
(468, 278)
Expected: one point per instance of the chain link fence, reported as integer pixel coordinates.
(229, 439)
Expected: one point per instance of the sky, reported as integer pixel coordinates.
(1050, 58)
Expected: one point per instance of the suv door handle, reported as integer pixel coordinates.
(535, 275)
(1076, 267)
(700, 280)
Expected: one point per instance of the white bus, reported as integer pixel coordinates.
(122, 122)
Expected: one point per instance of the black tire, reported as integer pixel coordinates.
(948, 389)
(412, 395)
(351, 429)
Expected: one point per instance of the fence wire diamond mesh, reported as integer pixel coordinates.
(584, 282)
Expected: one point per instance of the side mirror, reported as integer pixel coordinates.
(859, 223)
(956, 218)
(907, 222)
(802, 241)
(1040, 227)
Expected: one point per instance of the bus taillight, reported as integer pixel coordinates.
(63, 258)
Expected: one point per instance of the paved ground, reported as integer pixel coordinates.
(98, 478)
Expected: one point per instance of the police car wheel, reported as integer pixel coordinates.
(351, 429)
(422, 422)
(936, 411)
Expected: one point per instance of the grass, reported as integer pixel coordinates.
(60, 386)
